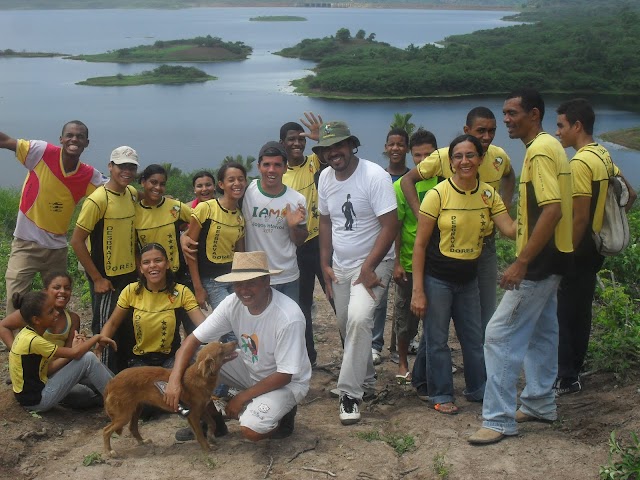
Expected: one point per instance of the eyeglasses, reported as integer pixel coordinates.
(468, 156)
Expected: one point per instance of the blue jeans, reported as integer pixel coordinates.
(379, 319)
(487, 280)
(290, 289)
(216, 291)
(460, 302)
(524, 330)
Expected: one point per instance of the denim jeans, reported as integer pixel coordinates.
(523, 331)
(290, 289)
(487, 280)
(379, 319)
(354, 313)
(460, 302)
(65, 384)
(216, 291)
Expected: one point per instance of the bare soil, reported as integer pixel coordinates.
(55, 445)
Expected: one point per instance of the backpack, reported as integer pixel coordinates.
(614, 236)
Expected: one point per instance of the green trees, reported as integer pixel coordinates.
(582, 50)
(401, 120)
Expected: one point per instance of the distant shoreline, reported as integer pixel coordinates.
(385, 6)
(627, 137)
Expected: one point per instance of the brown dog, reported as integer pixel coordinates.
(134, 387)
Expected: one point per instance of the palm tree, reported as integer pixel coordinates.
(248, 163)
(402, 121)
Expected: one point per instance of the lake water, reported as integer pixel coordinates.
(195, 126)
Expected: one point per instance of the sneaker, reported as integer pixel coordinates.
(349, 410)
(565, 386)
(285, 427)
(377, 357)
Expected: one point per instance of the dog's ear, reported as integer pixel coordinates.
(207, 366)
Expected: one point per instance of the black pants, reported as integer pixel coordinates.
(575, 300)
(309, 264)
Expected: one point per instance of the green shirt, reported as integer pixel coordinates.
(408, 219)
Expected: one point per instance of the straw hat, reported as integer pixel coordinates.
(248, 265)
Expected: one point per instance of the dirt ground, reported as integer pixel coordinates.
(55, 445)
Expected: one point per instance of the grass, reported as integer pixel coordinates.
(94, 458)
(440, 467)
(627, 137)
(400, 443)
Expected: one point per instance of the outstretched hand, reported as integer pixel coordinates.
(295, 216)
(313, 124)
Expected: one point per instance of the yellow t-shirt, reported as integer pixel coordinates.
(221, 230)
(155, 325)
(108, 216)
(545, 179)
(591, 168)
(28, 364)
(161, 224)
(495, 165)
(303, 178)
(462, 219)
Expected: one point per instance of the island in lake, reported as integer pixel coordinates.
(277, 18)
(163, 75)
(198, 49)
(8, 52)
(561, 51)
(627, 137)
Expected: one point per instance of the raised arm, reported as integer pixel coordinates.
(7, 142)
(296, 218)
(313, 124)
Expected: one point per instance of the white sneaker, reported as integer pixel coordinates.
(377, 357)
(349, 410)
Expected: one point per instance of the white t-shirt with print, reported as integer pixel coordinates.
(270, 342)
(354, 206)
(266, 228)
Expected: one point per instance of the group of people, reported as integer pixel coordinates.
(252, 253)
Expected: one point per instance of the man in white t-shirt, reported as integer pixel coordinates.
(275, 218)
(272, 369)
(358, 223)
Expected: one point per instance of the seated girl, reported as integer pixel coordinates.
(31, 355)
(154, 298)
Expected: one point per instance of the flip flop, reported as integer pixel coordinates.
(403, 379)
(448, 408)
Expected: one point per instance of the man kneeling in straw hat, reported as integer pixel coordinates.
(272, 369)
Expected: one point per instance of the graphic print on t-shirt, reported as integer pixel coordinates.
(349, 213)
(250, 343)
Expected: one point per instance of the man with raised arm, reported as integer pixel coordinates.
(303, 172)
(360, 269)
(524, 329)
(591, 168)
(56, 182)
(495, 170)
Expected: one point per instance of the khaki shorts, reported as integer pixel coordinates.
(405, 321)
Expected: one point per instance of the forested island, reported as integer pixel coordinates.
(9, 53)
(583, 49)
(163, 75)
(198, 49)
